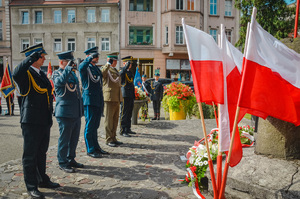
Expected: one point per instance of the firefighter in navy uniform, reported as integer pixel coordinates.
(157, 92)
(36, 119)
(68, 111)
(127, 88)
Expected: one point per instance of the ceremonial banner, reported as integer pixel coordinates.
(7, 85)
(137, 78)
(271, 77)
(206, 65)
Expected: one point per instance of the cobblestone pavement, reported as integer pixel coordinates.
(147, 165)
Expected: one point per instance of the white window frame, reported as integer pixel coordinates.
(179, 1)
(71, 9)
(106, 43)
(55, 17)
(35, 11)
(228, 8)
(35, 40)
(187, 2)
(21, 14)
(228, 33)
(180, 32)
(90, 42)
(88, 17)
(105, 18)
(22, 43)
(56, 43)
(214, 32)
(214, 4)
(71, 43)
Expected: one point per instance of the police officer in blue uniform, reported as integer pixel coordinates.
(127, 89)
(92, 95)
(36, 118)
(157, 92)
(68, 111)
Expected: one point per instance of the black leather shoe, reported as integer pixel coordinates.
(126, 135)
(94, 155)
(76, 164)
(36, 194)
(118, 142)
(111, 144)
(101, 151)
(154, 118)
(67, 169)
(50, 185)
(131, 132)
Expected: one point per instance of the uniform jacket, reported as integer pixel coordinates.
(91, 78)
(68, 96)
(157, 91)
(146, 88)
(111, 84)
(127, 78)
(36, 108)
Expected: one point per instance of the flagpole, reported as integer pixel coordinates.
(219, 158)
(210, 163)
(223, 185)
(296, 19)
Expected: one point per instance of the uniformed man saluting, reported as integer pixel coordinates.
(128, 97)
(36, 119)
(68, 111)
(157, 92)
(112, 98)
(92, 95)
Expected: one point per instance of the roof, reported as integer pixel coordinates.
(63, 2)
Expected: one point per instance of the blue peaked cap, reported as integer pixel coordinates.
(91, 50)
(144, 76)
(35, 48)
(157, 74)
(68, 55)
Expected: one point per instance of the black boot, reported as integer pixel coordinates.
(158, 116)
(155, 117)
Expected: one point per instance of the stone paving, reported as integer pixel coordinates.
(147, 165)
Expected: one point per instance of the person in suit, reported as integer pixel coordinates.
(157, 92)
(146, 88)
(127, 78)
(68, 111)
(112, 98)
(92, 95)
(36, 119)
(10, 111)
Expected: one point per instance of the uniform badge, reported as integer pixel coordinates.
(95, 76)
(71, 85)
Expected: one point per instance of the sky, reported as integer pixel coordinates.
(290, 1)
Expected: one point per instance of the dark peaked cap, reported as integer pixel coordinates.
(35, 48)
(128, 58)
(68, 55)
(91, 50)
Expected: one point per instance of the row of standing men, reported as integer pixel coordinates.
(103, 90)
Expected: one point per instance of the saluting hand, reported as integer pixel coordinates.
(36, 55)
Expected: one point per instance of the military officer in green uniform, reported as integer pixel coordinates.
(112, 98)
(157, 92)
(36, 118)
(127, 78)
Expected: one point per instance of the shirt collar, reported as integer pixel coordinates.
(36, 70)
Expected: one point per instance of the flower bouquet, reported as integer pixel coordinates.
(246, 135)
(141, 95)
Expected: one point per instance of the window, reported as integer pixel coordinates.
(71, 16)
(25, 17)
(141, 5)
(57, 45)
(71, 44)
(38, 17)
(213, 33)
(1, 37)
(228, 7)
(179, 4)
(57, 16)
(24, 44)
(140, 35)
(179, 35)
(105, 44)
(190, 4)
(105, 15)
(91, 16)
(167, 35)
(213, 7)
(91, 42)
(228, 35)
(38, 40)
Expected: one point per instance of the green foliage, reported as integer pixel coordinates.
(273, 15)
(208, 111)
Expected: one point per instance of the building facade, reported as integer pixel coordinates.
(151, 31)
(64, 25)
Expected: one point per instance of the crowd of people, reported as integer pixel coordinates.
(104, 92)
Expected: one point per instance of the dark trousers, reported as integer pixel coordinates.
(36, 142)
(92, 122)
(20, 102)
(126, 113)
(11, 103)
(69, 129)
(156, 106)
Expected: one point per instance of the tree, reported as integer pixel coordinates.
(273, 15)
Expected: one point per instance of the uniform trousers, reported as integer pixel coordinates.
(156, 106)
(36, 142)
(92, 122)
(69, 129)
(111, 111)
(126, 113)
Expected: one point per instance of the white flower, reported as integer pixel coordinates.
(205, 162)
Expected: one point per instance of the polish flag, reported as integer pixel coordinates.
(271, 77)
(206, 65)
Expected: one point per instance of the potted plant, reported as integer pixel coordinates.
(178, 100)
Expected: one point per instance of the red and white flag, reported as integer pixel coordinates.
(271, 77)
(206, 65)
